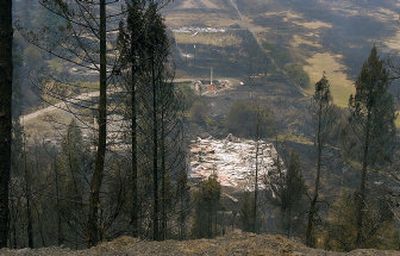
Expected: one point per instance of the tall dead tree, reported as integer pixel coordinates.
(131, 42)
(321, 107)
(82, 40)
(28, 196)
(97, 178)
(372, 119)
(60, 235)
(173, 168)
(153, 109)
(156, 48)
(6, 73)
(258, 153)
(259, 118)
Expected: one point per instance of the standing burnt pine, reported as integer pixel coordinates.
(6, 70)
(321, 107)
(372, 118)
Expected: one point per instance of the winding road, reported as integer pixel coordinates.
(59, 106)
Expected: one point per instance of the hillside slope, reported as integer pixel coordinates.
(300, 39)
(234, 244)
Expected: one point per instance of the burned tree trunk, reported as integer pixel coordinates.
(321, 105)
(28, 196)
(94, 204)
(362, 190)
(155, 153)
(6, 70)
(60, 235)
(134, 181)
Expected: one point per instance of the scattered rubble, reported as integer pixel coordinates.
(231, 159)
(192, 30)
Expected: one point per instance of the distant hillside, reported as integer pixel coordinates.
(298, 38)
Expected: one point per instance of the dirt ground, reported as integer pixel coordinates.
(236, 244)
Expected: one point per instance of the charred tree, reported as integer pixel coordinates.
(372, 120)
(131, 42)
(96, 181)
(321, 107)
(6, 73)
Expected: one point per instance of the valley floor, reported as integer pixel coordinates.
(234, 244)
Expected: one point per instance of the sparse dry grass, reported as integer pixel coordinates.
(47, 125)
(190, 4)
(89, 86)
(298, 19)
(248, 22)
(393, 42)
(214, 39)
(294, 138)
(298, 40)
(384, 15)
(235, 243)
(285, 14)
(312, 25)
(178, 19)
(341, 85)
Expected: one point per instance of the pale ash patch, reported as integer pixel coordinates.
(232, 160)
